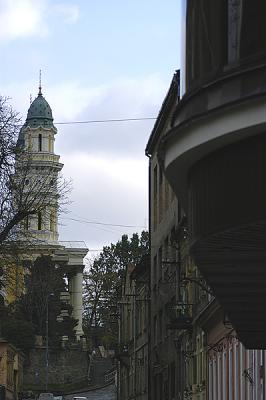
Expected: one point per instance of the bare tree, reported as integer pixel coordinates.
(29, 187)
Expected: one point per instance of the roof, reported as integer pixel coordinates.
(171, 97)
(74, 244)
(39, 114)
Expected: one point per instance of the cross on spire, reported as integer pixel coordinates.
(40, 82)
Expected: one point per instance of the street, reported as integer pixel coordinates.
(106, 393)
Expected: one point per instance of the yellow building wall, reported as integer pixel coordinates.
(14, 281)
(11, 370)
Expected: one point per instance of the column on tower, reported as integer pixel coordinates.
(75, 280)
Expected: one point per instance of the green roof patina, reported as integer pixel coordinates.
(39, 114)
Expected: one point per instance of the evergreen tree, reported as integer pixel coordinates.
(102, 286)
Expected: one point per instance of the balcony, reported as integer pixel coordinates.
(214, 159)
(180, 316)
(214, 156)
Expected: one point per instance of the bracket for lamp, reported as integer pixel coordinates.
(198, 281)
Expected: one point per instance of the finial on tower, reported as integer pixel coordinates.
(40, 82)
(30, 99)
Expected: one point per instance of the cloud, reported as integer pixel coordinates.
(76, 101)
(105, 190)
(106, 161)
(124, 98)
(25, 18)
(20, 18)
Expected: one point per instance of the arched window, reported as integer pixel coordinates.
(40, 142)
(26, 221)
(52, 221)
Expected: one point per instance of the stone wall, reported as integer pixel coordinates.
(67, 367)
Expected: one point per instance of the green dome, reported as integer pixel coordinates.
(39, 113)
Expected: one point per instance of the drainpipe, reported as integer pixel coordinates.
(149, 303)
(134, 339)
(118, 387)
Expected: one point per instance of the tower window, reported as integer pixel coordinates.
(39, 221)
(40, 142)
(52, 221)
(27, 223)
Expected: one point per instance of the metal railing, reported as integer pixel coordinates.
(180, 315)
(110, 376)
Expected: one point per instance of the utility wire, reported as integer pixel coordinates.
(97, 121)
(102, 223)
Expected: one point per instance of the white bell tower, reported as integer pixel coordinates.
(37, 137)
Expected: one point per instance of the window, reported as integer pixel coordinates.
(160, 263)
(155, 329)
(52, 221)
(27, 223)
(161, 199)
(251, 23)
(166, 194)
(154, 271)
(40, 142)
(160, 333)
(206, 38)
(39, 221)
(155, 196)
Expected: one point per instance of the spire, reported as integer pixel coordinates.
(30, 99)
(40, 83)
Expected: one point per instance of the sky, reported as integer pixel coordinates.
(100, 60)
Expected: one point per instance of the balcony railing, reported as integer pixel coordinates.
(110, 376)
(180, 316)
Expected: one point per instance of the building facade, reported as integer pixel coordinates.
(178, 292)
(210, 147)
(213, 155)
(11, 370)
(207, 359)
(134, 332)
(164, 217)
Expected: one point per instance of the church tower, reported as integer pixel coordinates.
(42, 166)
(37, 137)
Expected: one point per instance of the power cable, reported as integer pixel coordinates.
(96, 121)
(102, 223)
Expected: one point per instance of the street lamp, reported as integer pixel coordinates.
(47, 341)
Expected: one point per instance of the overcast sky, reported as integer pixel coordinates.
(104, 59)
